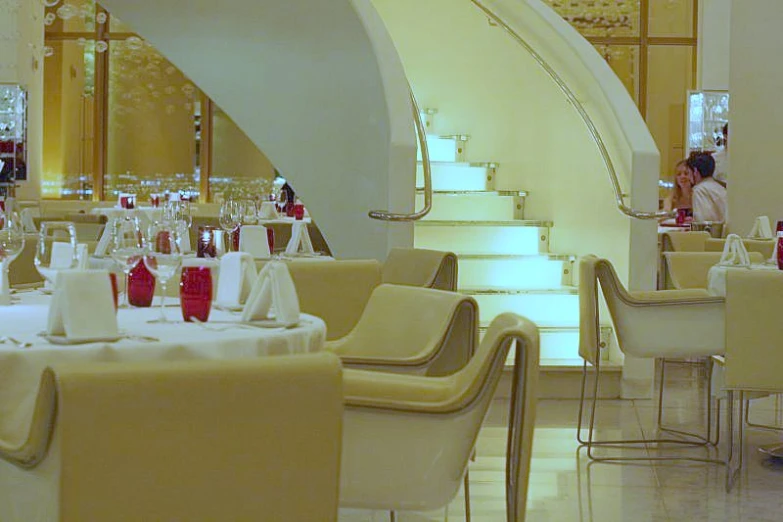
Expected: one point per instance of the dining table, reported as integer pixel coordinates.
(25, 351)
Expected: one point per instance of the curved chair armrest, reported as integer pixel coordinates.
(32, 451)
(692, 296)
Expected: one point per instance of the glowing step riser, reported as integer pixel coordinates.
(521, 241)
(473, 207)
(546, 310)
(445, 148)
(521, 273)
(458, 176)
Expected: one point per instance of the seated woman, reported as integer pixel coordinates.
(681, 196)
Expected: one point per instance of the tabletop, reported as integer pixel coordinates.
(221, 338)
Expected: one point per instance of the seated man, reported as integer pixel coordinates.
(709, 196)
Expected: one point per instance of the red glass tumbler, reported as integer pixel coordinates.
(141, 286)
(115, 290)
(270, 239)
(195, 293)
(299, 211)
(779, 226)
(207, 246)
(234, 238)
(780, 252)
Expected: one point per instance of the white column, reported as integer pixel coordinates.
(756, 83)
(714, 44)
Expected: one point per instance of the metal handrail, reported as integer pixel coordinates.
(569, 94)
(385, 215)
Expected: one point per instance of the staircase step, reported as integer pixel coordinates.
(449, 148)
(520, 237)
(493, 271)
(561, 344)
(452, 176)
(562, 379)
(546, 308)
(477, 205)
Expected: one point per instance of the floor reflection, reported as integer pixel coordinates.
(566, 486)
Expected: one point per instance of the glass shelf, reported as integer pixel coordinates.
(708, 112)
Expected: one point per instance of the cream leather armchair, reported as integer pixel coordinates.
(754, 338)
(765, 247)
(407, 439)
(199, 441)
(407, 329)
(652, 324)
(689, 270)
(679, 241)
(338, 291)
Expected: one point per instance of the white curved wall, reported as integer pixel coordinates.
(317, 86)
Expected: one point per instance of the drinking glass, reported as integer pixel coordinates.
(248, 211)
(163, 258)
(127, 247)
(178, 211)
(230, 218)
(195, 293)
(11, 245)
(56, 249)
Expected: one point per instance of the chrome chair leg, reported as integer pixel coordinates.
(732, 472)
(641, 444)
(467, 496)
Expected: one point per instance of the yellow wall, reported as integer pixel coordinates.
(755, 184)
(486, 86)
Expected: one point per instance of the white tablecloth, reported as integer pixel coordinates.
(20, 368)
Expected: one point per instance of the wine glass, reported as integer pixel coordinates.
(248, 211)
(163, 258)
(56, 249)
(11, 245)
(230, 218)
(127, 247)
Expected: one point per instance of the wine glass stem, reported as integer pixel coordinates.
(126, 299)
(162, 301)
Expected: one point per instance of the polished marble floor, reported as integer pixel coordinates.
(566, 486)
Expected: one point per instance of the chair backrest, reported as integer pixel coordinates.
(677, 241)
(420, 267)
(754, 330)
(408, 439)
(335, 291)
(762, 246)
(690, 269)
(408, 329)
(200, 440)
(663, 323)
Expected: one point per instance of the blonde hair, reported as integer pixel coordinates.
(677, 196)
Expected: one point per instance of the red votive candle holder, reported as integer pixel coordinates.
(141, 286)
(270, 239)
(124, 201)
(207, 245)
(195, 293)
(779, 226)
(299, 211)
(115, 290)
(780, 252)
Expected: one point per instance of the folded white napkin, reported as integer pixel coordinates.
(734, 253)
(184, 237)
(273, 290)
(237, 273)
(102, 249)
(82, 256)
(761, 228)
(252, 239)
(268, 210)
(28, 225)
(300, 240)
(82, 306)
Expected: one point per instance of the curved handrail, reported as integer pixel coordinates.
(385, 215)
(572, 99)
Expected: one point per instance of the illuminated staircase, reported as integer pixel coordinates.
(504, 259)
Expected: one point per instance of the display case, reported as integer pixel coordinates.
(708, 112)
(13, 137)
